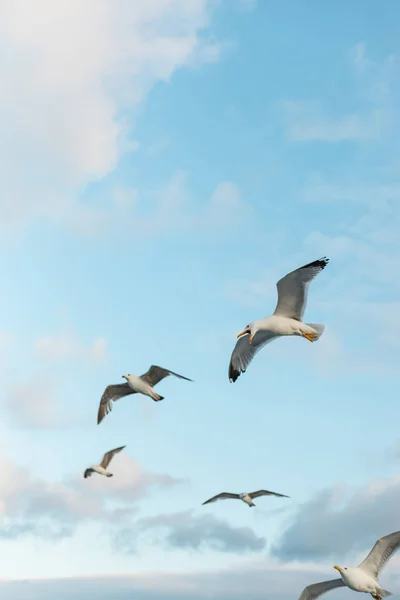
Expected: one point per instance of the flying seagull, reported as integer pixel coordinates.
(134, 385)
(363, 578)
(286, 320)
(101, 469)
(247, 498)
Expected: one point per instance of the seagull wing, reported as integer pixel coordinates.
(317, 589)
(109, 455)
(380, 554)
(293, 289)
(244, 352)
(222, 496)
(266, 493)
(112, 393)
(156, 374)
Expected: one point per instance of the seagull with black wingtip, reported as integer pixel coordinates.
(286, 320)
(247, 498)
(134, 385)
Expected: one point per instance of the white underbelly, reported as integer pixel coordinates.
(138, 385)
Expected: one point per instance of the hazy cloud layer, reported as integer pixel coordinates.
(253, 583)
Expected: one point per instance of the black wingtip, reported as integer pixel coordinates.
(233, 373)
(320, 263)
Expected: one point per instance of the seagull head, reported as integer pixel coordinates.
(126, 376)
(340, 569)
(249, 329)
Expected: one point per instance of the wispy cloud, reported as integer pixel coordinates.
(170, 209)
(53, 347)
(185, 530)
(340, 520)
(311, 121)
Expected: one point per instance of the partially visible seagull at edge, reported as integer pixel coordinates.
(247, 498)
(363, 578)
(101, 469)
(134, 385)
(286, 320)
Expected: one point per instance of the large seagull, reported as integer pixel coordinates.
(134, 385)
(363, 578)
(286, 320)
(246, 498)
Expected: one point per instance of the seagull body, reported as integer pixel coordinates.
(363, 578)
(101, 469)
(286, 320)
(245, 497)
(134, 385)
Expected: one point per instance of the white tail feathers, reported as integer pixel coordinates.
(318, 328)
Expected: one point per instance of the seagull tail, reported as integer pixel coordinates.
(384, 593)
(318, 328)
(157, 397)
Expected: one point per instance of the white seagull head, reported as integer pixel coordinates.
(342, 571)
(126, 376)
(251, 329)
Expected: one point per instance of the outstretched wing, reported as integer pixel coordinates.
(108, 456)
(244, 352)
(111, 394)
(88, 473)
(293, 289)
(222, 496)
(156, 374)
(317, 589)
(380, 554)
(266, 493)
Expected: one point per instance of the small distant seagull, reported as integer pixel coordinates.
(363, 578)
(247, 498)
(134, 385)
(101, 469)
(286, 320)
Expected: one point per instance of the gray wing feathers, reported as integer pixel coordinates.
(112, 393)
(109, 455)
(244, 352)
(317, 589)
(266, 493)
(222, 496)
(156, 374)
(293, 289)
(380, 553)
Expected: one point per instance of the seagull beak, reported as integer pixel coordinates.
(244, 332)
(337, 568)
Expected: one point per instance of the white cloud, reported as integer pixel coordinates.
(52, 348)
(31, 505)
(70, 69)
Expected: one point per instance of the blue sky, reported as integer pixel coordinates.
(163, 166)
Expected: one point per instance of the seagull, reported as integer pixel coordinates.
(140, 385)
(247, 498)
(363, 578)
(101, 469)
(286, 320)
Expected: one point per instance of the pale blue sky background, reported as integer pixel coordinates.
(162, 167)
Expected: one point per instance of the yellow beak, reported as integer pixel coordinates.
(337, 568)
(244, 332)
